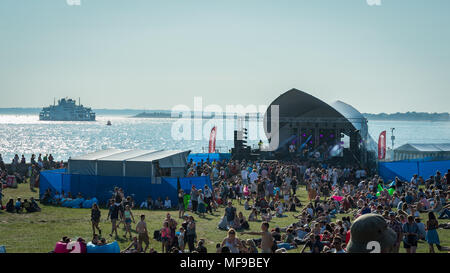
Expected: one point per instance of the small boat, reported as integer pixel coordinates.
(109, 123)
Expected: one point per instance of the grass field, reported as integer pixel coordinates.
(38, 232)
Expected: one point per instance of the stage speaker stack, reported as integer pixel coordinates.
(241, 150)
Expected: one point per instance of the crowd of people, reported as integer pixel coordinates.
(338, 197)
(21, 171)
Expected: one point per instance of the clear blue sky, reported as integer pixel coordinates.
(156, 54)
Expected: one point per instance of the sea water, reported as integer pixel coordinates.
(25, 134)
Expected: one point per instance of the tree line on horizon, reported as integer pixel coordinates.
(410, 116)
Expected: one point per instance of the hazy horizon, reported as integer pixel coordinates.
(38, 109)
(147, 54)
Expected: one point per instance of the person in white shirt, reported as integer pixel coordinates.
(167, 203)
(253, 176)
(414, 181)
(244, 175)
(334, 177)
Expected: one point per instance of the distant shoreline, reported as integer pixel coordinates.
(136, 113)
(409, 116)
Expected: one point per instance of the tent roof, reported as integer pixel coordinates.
(125, 155)
(432, 147)
(296, 103)
(299, 105)
(166, 158)
(98, 154)
(156, 155)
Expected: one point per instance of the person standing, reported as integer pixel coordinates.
(33, 175)
(180, 203)
(244, 176)
(1, 193)
(95, 218)
(432, 236)
(230, 213)
(141, 229)
(397, 227)
(208, 198)
(191, 234)
(411, 233)
(128, 216)
(294, 184)
(165, 237)
(113, 214)
(194, 199)
(201, 204)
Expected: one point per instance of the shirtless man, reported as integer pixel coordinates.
(266, 238)
(141, 229)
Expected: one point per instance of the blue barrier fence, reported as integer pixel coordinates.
(102, 187)
(406, 169)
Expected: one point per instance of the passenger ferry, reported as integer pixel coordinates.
(67, 110)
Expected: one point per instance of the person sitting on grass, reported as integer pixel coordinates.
(47, 198)
(201, 247)
(243, 224)
(266, 215)
(133, 247)
(167, 203)
(158, 203)
(34, 205)
(57, 198)
(95, 239)
(231, 241)
(246, 204)
(253, 215)
(291, 205)
(26, 205)
(214, 206)
(147, 204)
(102, 242)
(314, 244)
(297, 202)
(18, 206)
(336, 246)
(280, 210)
(251, 246)
(10, 206)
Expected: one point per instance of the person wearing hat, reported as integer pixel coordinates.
(369, 230)
(396, 226)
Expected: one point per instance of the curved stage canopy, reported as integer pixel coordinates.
(300, 112)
